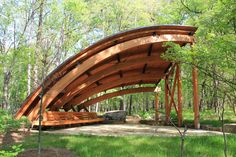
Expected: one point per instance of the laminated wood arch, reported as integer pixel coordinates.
(119, 82)
(77, 86)
(127, 58)
(114, 94)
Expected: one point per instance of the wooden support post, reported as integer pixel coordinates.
(172, 95)
(167, 100)
(157, 106)
(195, 99)
(179, 82)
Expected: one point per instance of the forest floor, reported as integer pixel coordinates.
(126, 140)
(134, 145)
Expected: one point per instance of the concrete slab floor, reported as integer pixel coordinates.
(128, 129)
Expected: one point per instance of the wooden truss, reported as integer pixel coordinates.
(128, 58)
(173, 96)
(170, 92)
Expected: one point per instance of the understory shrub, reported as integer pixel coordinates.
(8, 123)
(12, 152)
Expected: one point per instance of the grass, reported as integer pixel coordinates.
(207, 117)
(144, 146)
(135, 146)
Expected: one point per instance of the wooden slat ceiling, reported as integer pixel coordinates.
(128, 58)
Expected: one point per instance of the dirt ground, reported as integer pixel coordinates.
(50, 152)
(10, 138)
(97, 129)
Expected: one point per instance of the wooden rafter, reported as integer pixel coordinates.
(114, 94)
(118, 82)
(75, 88)
(70, 78)
(144, 68)
(150, 50)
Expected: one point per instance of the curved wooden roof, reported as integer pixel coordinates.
(127, 58)
(114, 94)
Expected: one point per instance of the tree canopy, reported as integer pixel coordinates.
(37, 36)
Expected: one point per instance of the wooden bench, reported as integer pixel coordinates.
(52, 118)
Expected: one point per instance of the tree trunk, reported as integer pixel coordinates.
(124, 103)
(130, 104)
(121, 104)
(215, 94)
(234, 108)
(97, 107)
(38, 44)
(6, 83)
(161, 105)
(100, 108)
(232, 101)
(153, 104)
(201, 105)
(29, 78)
(36, 81)
(147, 103)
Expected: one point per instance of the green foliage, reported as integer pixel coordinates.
(12, 152)
(8, 123)
(71, 25)
(208, 117)
(147, 114)
(138, 146)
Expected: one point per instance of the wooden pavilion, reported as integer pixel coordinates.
(128, 58)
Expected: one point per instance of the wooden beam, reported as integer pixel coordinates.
(70, 65)
(144, 68)
(170, 70)
(173, 95)
(88, 73)
(117, 93)
(117, 83)
(150, 50)
(97, 83)
(98, 58)
(121, 74)
(167, 99)
(118, 58)
(173, 102)
(77, 87)
(195, 98)
(179, 83)
(113, 68)
(116, 76)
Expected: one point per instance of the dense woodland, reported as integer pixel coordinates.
(38, 35)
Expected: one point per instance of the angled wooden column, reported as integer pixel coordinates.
(195, 98)
(179, 83)
(167, 100)
(156, 107)
(172, 95)
(157, 91)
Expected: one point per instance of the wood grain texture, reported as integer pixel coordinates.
(61, 78)
(114, 94)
